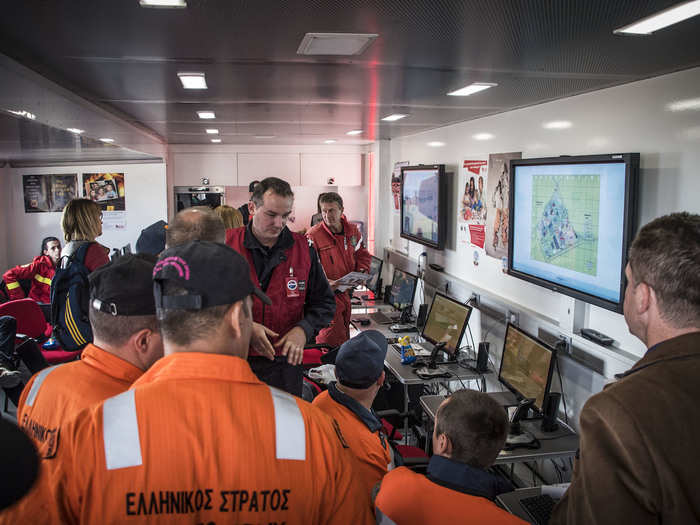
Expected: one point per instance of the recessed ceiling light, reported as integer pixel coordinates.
(557, 124)
(216, 141)
(206, 114)
(662, 19)
(22, 113)
(178, 4)
(335, 43)
(107, 140)
(436, 144)
(684, 105)
(264, 136)
(212, 132)
(354, 132)
(394, 116)
(193, 80)
(482, 136)
(330, 141)
(77, 131)
(471, 89)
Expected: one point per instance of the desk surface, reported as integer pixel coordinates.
(406, 375)
(560, 443)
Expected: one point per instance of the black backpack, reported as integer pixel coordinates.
(70, 293)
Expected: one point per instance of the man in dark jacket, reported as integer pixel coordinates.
(243, 208)
(639, 455)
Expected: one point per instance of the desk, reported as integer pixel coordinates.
(407, 377)
(557, 444)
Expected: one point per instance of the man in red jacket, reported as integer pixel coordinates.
(341, 249)
(41, 270)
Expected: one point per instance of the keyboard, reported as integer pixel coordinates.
(382, 318)
(539, 507)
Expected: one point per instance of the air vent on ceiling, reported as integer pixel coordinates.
(335, 43)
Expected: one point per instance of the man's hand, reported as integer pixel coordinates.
(333, 284)
(260, 341)
(292, 344)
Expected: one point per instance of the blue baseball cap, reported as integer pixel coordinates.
(360, 360)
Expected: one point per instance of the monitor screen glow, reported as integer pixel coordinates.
(446, 322)
(403, 287)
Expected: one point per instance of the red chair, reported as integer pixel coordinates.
(31, 323)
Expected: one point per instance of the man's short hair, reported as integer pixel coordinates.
(330, 197)
(184, 327)
(277, 186)
(116, 330)
(665, 255)
(198, 223)
(476, 425)
(251, 186)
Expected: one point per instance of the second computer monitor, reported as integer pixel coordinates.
(375, 272)
(403, 287)
(446, 322)
(526, 366)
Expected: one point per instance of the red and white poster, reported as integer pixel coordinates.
(498, 201)
(472, 208)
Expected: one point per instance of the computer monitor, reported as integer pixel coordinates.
(446, 322)
(526, 366)
(375, 271)
(403, 287)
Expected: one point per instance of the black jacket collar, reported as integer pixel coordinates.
(366, 416)
(463, 478)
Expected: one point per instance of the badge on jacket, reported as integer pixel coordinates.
(292, 287)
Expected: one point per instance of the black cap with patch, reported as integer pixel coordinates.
(123, 286)
(360, 360)
(213, 274)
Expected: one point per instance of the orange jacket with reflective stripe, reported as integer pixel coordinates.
(199, 439)
(408, 498)
(54, 396)
(372, 452)
(41, 270)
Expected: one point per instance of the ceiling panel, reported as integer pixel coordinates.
(125, 58)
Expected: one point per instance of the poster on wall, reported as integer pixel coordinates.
(471, 219)
(396, 184)
(48, 192)
(497, 200)
(107, 190)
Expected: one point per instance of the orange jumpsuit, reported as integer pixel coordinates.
(362, 431)
(54, 396)
(199, 439)
(340, 254)
(41, 270)
(408, 498)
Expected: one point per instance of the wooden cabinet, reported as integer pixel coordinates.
(317, 169)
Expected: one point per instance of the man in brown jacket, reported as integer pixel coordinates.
(639, 456)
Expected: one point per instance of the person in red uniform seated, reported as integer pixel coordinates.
(359, 367)
(287, 269)
(41, 270)
(341, 249)
(198, 438)
(82, 222)
(470, 430)
(126, 343)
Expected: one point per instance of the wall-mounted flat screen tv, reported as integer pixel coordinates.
(571, 221)
(423, 204)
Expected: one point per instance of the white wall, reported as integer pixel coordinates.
(630, 118)
(145, 193)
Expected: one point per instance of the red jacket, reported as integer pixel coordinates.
(286, 289)
(41, 270)
(340, 254)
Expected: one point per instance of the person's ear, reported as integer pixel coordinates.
(643, 297)
(251, 208)
(141, 340)
(233, 316)
(381, 379)
(443, 445)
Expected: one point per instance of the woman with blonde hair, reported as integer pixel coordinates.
(231, 217)
(82, 222)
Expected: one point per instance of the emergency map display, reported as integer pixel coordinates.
(568, 225)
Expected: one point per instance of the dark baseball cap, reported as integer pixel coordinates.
(124, 286)
(152, 238)
(360, 360)
(212, 273)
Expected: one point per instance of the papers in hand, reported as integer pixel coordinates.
(351, 280)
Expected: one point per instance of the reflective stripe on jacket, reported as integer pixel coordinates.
(41, 270)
